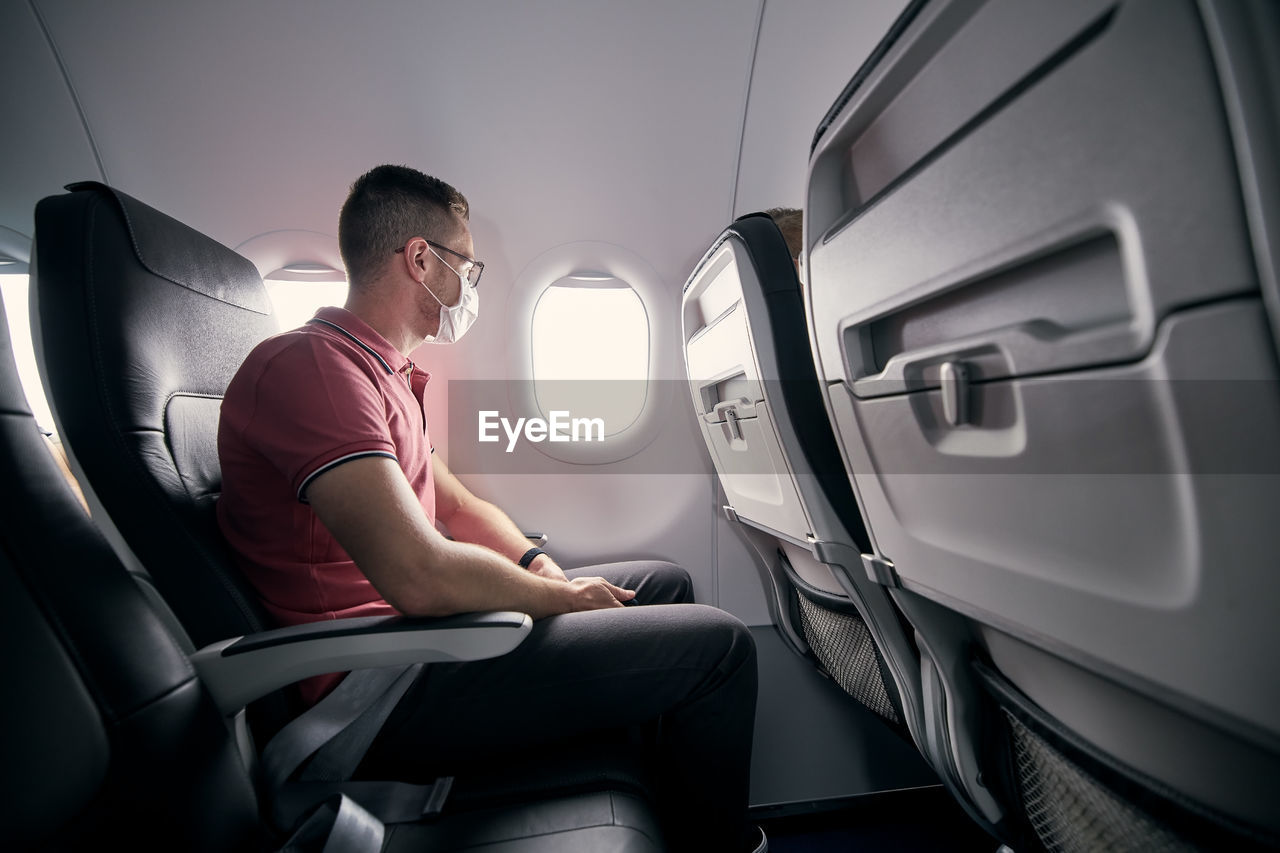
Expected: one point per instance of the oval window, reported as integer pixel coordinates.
(590, 348)
(15, 290)
(294, 302)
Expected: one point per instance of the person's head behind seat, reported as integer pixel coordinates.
(386, 207)
(791, 223)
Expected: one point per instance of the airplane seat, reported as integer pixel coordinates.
(112, 741)
(760, 410)
(142, 322)
(1040, 246)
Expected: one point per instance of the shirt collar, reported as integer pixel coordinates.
(345, 323)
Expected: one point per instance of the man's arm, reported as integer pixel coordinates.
(369, 507)
(472, 519)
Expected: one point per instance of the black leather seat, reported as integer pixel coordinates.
(142, 322)
(111, 740)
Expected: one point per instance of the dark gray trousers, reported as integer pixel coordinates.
(684, 670)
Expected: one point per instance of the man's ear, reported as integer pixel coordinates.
(416, 258)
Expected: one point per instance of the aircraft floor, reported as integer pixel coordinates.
(922, 820)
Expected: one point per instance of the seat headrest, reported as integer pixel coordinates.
(766, 248)
(171, 250)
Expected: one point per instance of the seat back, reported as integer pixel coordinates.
(142, 322)
(1042, 296)
(761, 413)
(108, 735)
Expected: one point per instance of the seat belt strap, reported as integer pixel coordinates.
(338, 758)
(389, 802)
(358, 692)
(343, 827)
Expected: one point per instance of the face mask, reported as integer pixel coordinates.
(455, 320)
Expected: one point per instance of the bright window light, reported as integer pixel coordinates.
(591, 350)
(294, 302)
(14, 288)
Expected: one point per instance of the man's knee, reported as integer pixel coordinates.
(655, 581)
(674, 582)
(722, 635)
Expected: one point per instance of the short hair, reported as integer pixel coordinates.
(386, 207)
(791, 223)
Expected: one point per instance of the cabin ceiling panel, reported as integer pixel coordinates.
(808, 52)
(560, 119)
(43, 143)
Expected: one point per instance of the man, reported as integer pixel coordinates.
(330, 496)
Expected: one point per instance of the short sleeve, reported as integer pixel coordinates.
(314, 407)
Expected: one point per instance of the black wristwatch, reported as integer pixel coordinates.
(530, 556)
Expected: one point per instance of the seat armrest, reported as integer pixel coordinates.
(538, 539)
(242, 669)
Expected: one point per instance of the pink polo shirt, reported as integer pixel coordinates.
(302, 403)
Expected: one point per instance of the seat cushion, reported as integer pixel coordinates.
(587, 823)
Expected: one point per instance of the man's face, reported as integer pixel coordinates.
(443, 263)
(452, 259)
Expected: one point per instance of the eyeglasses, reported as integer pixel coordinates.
(469, 268)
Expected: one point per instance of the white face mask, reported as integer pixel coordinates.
(455, 320)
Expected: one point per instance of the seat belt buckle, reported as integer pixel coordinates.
(439, 793)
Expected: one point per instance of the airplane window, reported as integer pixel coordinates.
(295, 301)
(14, 288)
(591, 350)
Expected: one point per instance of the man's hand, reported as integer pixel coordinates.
(596, 594)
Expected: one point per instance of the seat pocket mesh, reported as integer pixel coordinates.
(1071, 812)
(843, 644)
